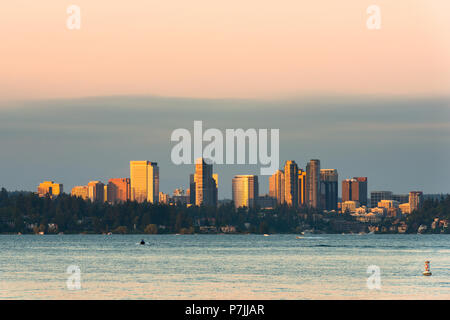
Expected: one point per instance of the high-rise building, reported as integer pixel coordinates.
(301, 187)
(80, 191)
(346, 190)
(119, 190)
(291, 183)
(355, 190)
(313, 183)
(415, 200)
(164, 198)
(96, 191)
(49, 188)
(328, 189)
(216, 188)
(144, 181)
(377, 196)
(245, 190)
(401, 198)
(105, 193)
(361, 193)
(191, 190)
(205, 184)
(276, 186)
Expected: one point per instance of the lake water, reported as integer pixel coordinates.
(224, 266)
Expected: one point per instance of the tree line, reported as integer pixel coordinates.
(26, 212)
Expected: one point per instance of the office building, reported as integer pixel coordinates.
(377, 196)
(291, 183)
(355, 190)
(118, 190)
(301, 187)
(96, 191)
(276, 186)
(313, 183)
(81, 192)
(245, 190)
(350, 206)
(415, 200)
(49, 188)
(328, 189)
(144, 181)
(204, 185)
(388, 204)
(401, 198)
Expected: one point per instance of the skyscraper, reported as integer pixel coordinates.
(191, 189)
(205, 184)
(355, 190)
(245, 190)
(144, 181)
(328, 189)
(313, 183)
(291, 183)
(361, 191)
(119, 190)
(96, 191)
(276, 186)
(216, 188)
(301, 187)
(415, 200)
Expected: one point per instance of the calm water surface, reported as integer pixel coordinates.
(224, 266)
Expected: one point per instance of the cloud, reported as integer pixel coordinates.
(399, 143)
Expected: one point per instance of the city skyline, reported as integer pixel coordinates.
(225, 150)
(298, 190)
(350, 134)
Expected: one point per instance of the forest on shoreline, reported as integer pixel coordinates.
(26, 212)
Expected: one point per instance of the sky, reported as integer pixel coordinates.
(78, 105)
(227, 49)
(400, 144)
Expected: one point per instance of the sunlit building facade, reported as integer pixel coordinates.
(355, 190)
(276, 186)
(144, 181)
(204, 184)
(301, 187)
(313, 183)
(49, 188)
(377, 196)
(81, 192)
(245, 190)
(119, 190)
(291, 183)
(96, 191)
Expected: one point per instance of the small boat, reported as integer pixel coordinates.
(298, 237)
(266, 235)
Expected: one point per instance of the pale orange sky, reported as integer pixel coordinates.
(233, 48)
